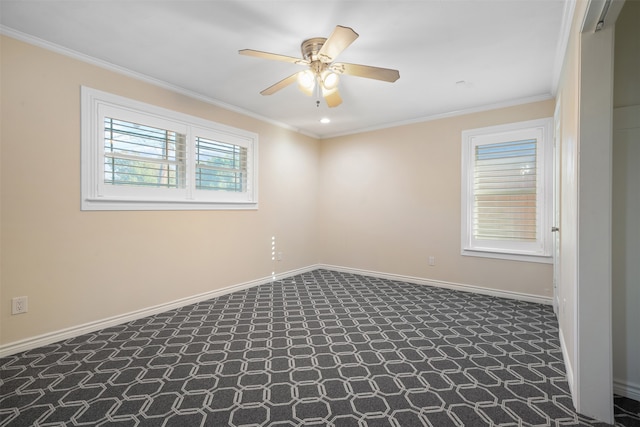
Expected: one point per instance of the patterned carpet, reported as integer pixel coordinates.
(318, 349)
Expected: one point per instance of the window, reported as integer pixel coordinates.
(137, 156)
(220, 166)
(507, 191)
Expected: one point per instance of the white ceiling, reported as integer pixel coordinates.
(506, 51)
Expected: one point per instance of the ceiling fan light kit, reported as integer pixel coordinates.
(330, 80)
(319, 54)
(306, 82)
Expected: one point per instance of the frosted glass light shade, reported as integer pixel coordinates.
(330, 80)
(306, 79)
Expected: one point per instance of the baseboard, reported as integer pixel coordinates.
(439, 283)
(621, 388)
(568, 367)
(63, 334)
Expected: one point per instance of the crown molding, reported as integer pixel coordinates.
(165, 85)
(563, 42)
(44, 44)
(478, 109)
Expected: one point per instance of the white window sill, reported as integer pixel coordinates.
(162, 205)
(509, 256)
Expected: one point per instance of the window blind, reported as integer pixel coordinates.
(505, 191)
(141, 155)
(220, 166)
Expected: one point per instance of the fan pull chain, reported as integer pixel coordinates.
(317, 89)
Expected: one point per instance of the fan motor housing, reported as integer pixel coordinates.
(311, 47)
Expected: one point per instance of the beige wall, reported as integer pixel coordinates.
(78, 267)
(390, 198)
(381, 201)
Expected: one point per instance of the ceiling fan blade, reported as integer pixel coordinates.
(280, 85)
(332, 97)
(272, 56)
(338, 41)
(384, 74)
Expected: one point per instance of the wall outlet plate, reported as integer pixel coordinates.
(19, 305)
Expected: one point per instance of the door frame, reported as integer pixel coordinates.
(557, 169)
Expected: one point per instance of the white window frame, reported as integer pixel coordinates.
(96, 195)
(540, 250)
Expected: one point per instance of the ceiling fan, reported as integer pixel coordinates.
(319, 54)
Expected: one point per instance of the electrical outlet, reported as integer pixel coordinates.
(279, 256)
(19, 305)
(432, 261)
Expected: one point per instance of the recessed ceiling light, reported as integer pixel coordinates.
(325, 120)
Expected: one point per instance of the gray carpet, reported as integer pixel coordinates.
(318, 349)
